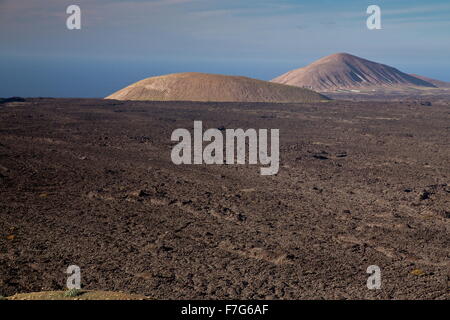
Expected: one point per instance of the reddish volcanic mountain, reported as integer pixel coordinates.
(345, 71)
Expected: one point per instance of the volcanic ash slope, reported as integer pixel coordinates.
(194, 86)
(437, 83)
(346, 71)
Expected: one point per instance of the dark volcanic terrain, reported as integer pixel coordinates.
(90, 182)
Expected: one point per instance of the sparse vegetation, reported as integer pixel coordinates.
(71, 293)
(75, 294)
(418, 272)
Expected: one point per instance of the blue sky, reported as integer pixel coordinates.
(122, 41)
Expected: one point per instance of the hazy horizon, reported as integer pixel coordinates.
(125, 41)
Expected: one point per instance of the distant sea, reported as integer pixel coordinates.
(29, 76)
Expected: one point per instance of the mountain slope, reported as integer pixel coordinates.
(345, 71)
(437, 83)
(194, 86)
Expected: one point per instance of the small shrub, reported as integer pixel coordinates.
(418, 272)
(71, 293)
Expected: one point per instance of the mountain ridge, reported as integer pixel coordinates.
(437, 83)
(195, 86)
(345, 71)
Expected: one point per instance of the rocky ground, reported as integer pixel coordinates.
(77, 295)
(90, 182)
(424, 96)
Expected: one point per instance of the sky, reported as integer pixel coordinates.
(123, 41)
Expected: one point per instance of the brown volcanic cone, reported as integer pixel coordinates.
(193, 86)
(345, 71)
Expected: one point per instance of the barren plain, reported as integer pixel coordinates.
(90, 182)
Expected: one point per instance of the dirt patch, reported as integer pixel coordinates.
(84, 295)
